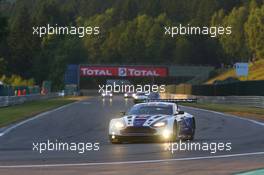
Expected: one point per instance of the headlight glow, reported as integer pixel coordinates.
(160, 124)
(119, 125)
(166, 134)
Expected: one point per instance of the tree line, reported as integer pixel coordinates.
(132, 32)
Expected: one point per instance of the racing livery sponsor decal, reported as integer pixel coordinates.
(140, 120)
(124, 71)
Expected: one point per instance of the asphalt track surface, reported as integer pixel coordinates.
(87, 121)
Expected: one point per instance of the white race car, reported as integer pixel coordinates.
(158, 121)
(140, 97)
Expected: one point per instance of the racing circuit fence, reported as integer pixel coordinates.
(252, 101)
(247, 93)
(241, 88)
(15, 100)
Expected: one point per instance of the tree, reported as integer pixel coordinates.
(131, 32)
(254, 28)
(204, 12)
(23, 45)
(129, 10)
(235, 44)
(3, 34)
(57, 53)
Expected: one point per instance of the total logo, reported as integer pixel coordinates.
(132, 72)
(123, 71)
(96, 72)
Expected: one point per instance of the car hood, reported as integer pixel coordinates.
(143, 120)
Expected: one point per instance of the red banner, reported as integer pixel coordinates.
(123, 71)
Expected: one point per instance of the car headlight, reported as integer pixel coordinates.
(166, 134)
(119, 124)
(160, 124)
(111, 95)
(125, 95)
(103, 95)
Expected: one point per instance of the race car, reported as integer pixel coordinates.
(153, 95)
(140, 97)
(107, 94)
(152, 121)
(129, 94)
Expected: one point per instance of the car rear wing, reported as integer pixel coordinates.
(189, 100)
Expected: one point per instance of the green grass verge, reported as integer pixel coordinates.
(256, 72)
(248, 112)
(16, 113)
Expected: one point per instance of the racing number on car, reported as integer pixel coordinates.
(122, 72)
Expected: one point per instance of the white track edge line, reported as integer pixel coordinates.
(133, 162)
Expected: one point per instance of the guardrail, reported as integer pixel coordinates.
(89, 92)
(253, 101)
(15, 100)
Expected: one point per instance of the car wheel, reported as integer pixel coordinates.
(194, 127)
(192, 137)
(175, 131)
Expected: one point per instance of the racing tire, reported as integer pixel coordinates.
(193, 130)
(175, 131)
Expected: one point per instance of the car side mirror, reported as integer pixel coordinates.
(181, 112)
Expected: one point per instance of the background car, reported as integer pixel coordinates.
(107, 94)
(140, 97)
(153, 121)
(129, 94)
(154, 95)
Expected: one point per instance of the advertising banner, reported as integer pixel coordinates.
(123, 71)
(241, 69)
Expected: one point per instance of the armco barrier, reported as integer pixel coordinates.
(86, 92)
(14, 100)
(242, 88)
(254, 101)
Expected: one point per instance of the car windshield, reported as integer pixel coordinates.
(151, 110)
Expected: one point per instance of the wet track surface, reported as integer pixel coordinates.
(87, 121)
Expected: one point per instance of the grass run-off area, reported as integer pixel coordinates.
(256, 72)
(242, 111)
(17, 113)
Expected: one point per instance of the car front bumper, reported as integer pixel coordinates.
(141, 134)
